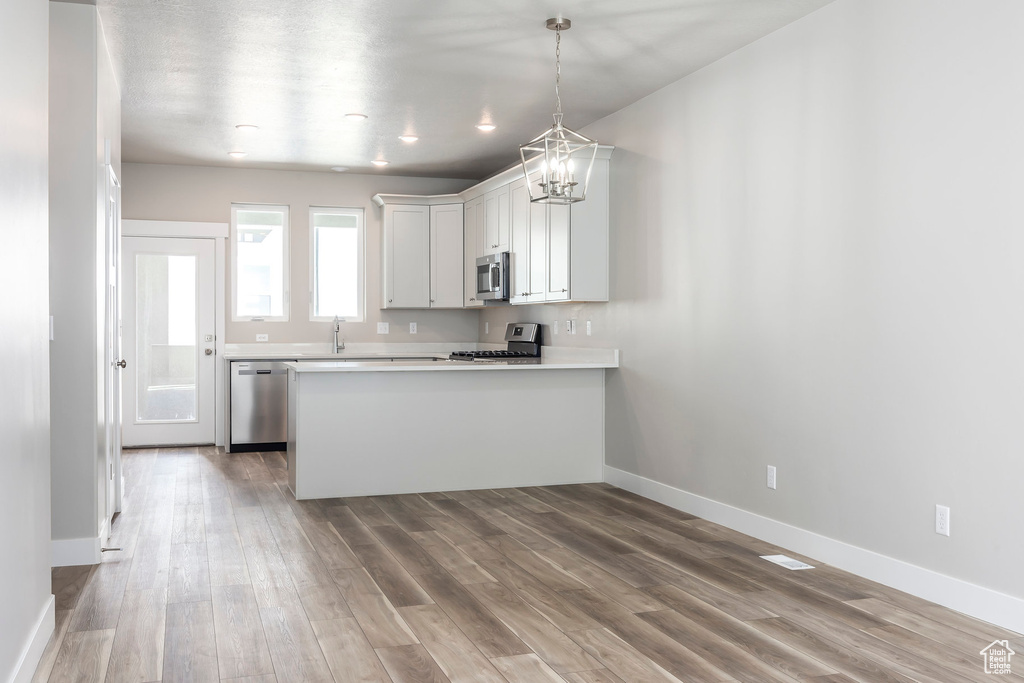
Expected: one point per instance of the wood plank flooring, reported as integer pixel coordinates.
(225, 576)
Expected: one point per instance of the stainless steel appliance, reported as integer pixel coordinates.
(524, 343)
(492, 277)
(259, 406)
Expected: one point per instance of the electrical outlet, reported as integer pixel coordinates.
(383, 328)
(487, 328)
(568, 326)
(590, 329)
(262, 337)
(942, 520)
(771, 476)
(412, 328)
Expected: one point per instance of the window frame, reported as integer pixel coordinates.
(360, 215)
(286, 265)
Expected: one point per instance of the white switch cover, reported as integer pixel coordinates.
(262, 337)
(590, 329)
(412, 328)
(383, 328)
(554, 327)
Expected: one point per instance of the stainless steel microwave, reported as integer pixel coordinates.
(492, 277)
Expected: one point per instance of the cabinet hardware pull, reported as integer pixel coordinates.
(472, 298)
(390, 300)
(564, 289)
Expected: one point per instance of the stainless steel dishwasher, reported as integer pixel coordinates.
(259, 406)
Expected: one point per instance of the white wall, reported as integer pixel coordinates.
(199, 193)
(818, 263)
(84, 113)
(26, 615)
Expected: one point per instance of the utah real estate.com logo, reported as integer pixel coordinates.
(997, 657)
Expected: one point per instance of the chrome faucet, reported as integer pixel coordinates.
(338, 346)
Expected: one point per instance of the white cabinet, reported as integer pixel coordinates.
(560, 252)
(406, 273)
(474, 247)
(496, 220)
(446, 256)
(422, 256)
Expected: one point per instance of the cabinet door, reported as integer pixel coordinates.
(406, 256)
(538, 285)
(558, 253)
(473, 247)
(519, 199)
(496, 220)
(446, 256)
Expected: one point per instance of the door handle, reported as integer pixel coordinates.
(120, 364)
(209, 352)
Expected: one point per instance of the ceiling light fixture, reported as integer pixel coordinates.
(236, 155)
(379, 162)
(339, 169)
(486, 127)
(356, 118)
(561, 147)
(408, 138)
(247, 127)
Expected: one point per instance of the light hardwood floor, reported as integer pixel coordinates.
(225, 576)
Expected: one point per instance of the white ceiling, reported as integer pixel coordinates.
(190, 70)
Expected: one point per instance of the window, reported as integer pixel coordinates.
(336, 267)
(259, 262)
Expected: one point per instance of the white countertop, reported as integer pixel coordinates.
(551, 359)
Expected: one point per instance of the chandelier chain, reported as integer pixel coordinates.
(558, 69)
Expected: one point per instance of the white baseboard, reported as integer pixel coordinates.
(72, 552)
(982, 603)
(33, 652)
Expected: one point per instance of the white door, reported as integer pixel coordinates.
(169, 309)
(114, 359)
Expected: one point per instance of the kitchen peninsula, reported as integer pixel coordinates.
(358, 428)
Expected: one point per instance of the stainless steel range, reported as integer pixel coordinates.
(524, 343)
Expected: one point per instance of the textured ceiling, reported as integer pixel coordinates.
(190, 70)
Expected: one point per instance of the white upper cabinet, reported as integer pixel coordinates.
(406, 275)
(446, 256)
(474, 247)
(422, 257)
(496, 220)
(519, 199)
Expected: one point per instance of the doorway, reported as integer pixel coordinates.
(169, 331)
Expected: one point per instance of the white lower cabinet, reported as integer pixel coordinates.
(422, 256)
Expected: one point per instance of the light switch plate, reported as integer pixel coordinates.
(383, 328)
(412, 328)
(590, 329)
(262, 337)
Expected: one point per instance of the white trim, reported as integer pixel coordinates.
(220, 385)
(131, 227)
(33, 652)
(982, 603)
(415, 199)
(72, 552)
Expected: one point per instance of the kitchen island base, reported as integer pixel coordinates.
(377, 433)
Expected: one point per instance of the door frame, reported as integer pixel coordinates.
(199, 230)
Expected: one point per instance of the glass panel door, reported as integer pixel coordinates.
(166, 346)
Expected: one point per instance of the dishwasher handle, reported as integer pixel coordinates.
(282, 371)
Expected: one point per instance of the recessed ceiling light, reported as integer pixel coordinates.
(379, 162)
(486, 127)
(339, 169)
(236, 155)
(247, 127)
(356, 118)
(408, 138)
